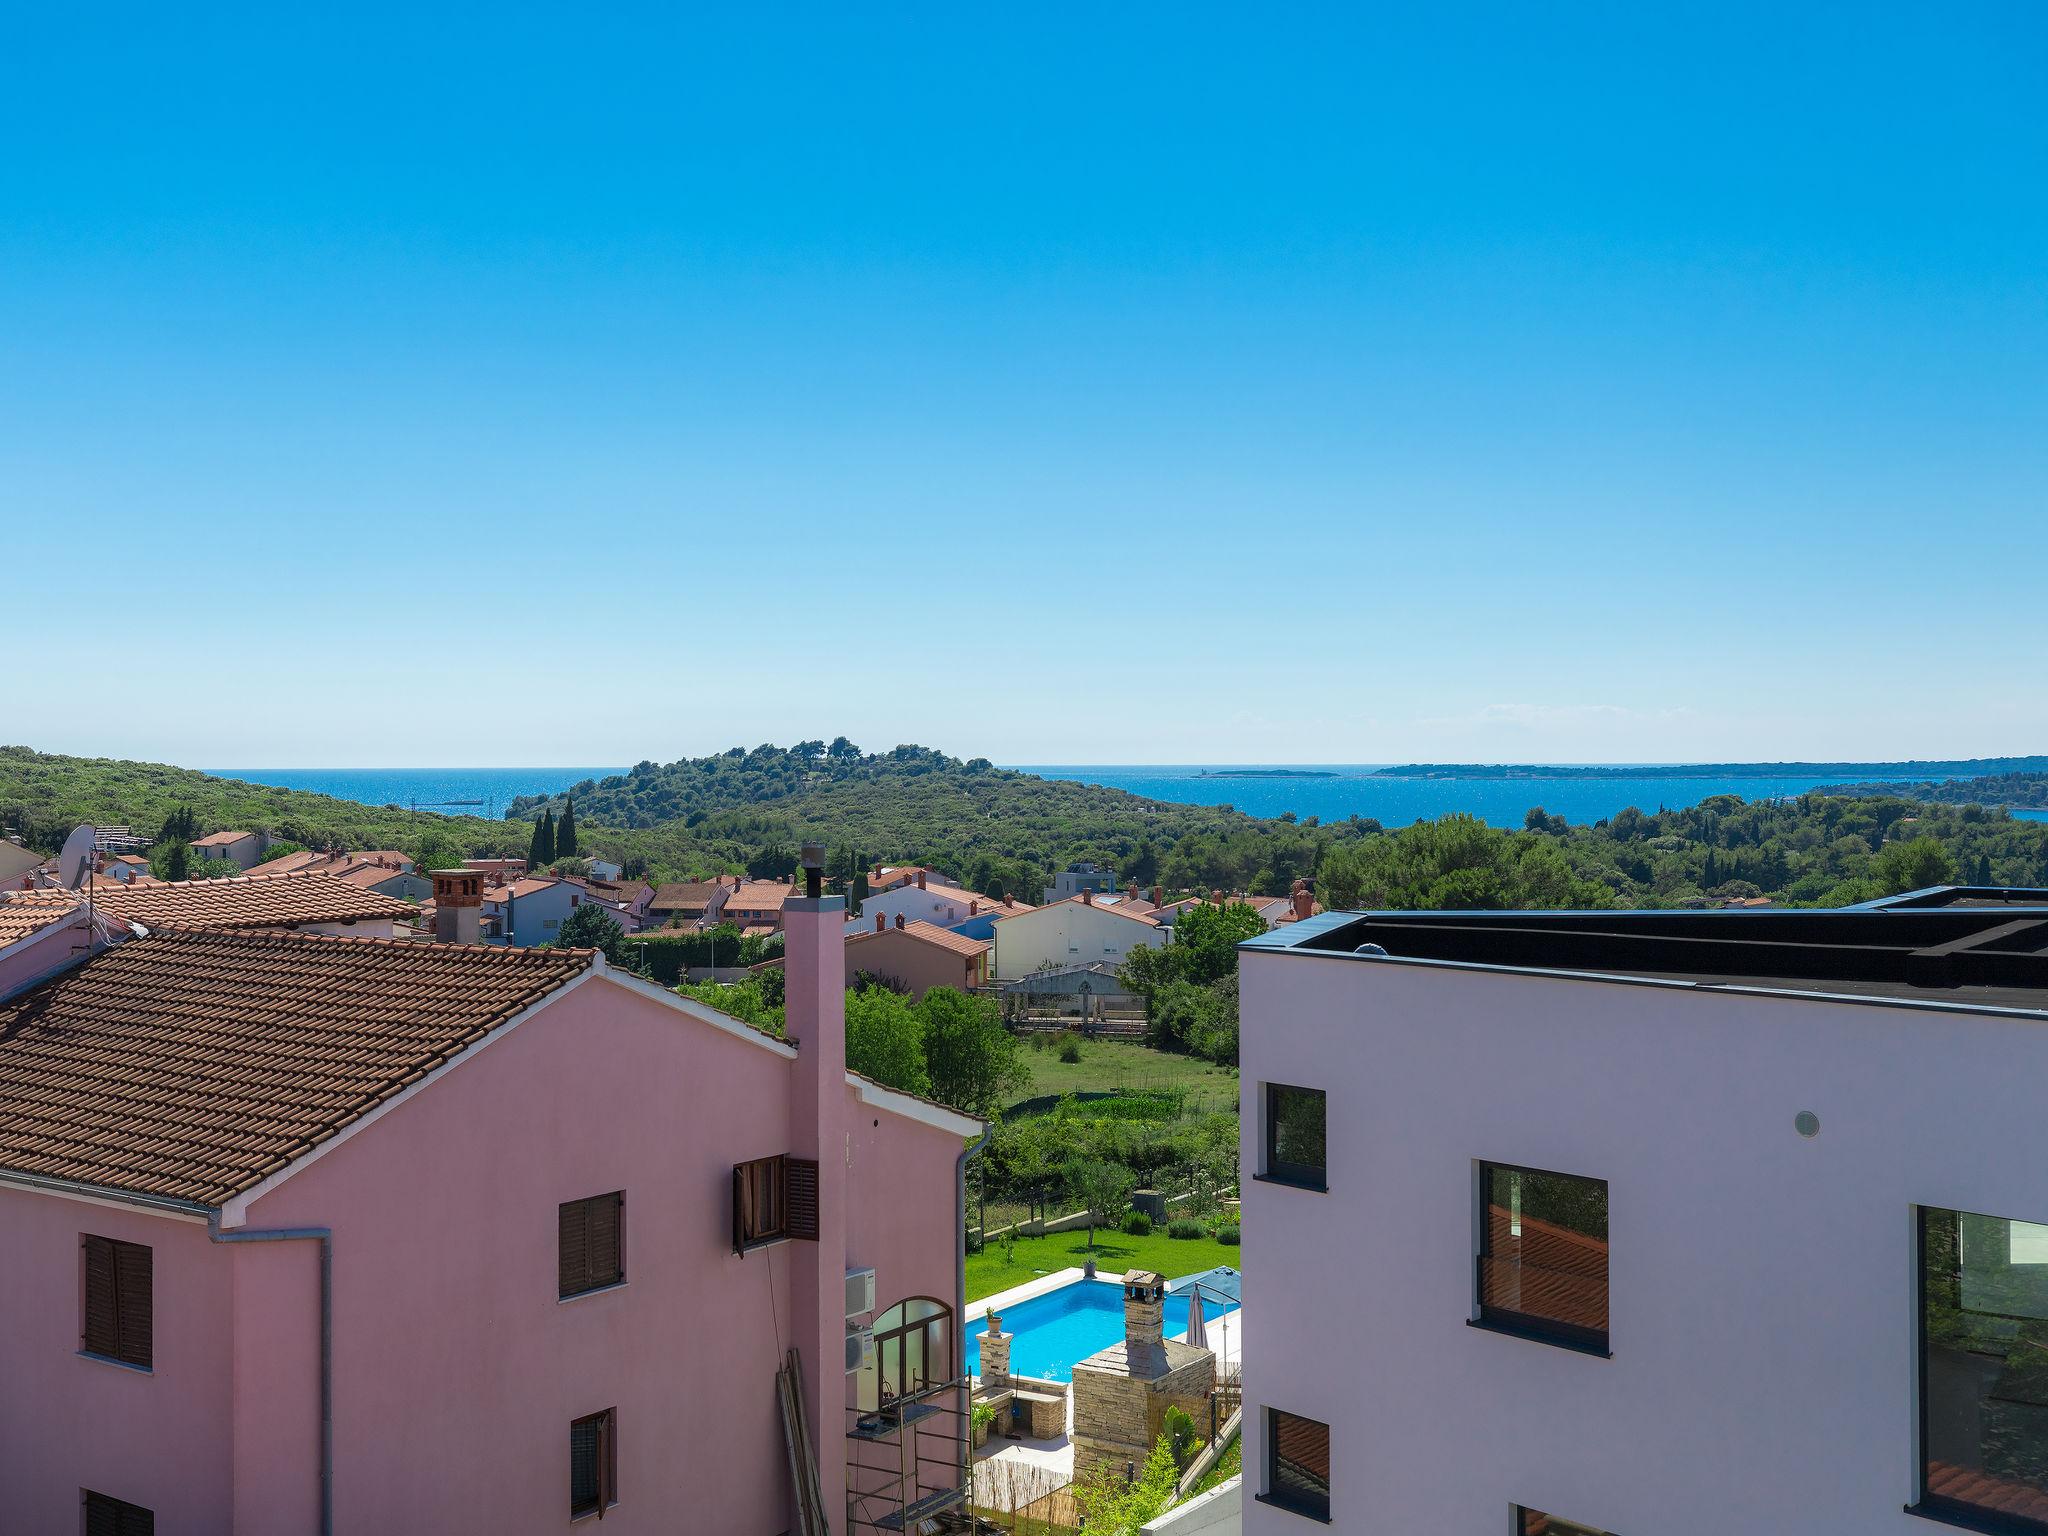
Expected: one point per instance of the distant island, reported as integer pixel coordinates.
(1265, 773)
(1966, 767)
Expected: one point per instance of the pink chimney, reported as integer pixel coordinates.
(814, 929)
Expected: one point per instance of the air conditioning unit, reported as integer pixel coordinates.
(860, 1349)
(860, 1292)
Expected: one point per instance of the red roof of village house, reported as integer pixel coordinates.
(25, 912)
(191, 1065)
(1075, 901)
(219, 839)
(759, 896)
(928, 933)
(240, 901)
(526, 887)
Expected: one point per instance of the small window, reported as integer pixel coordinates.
(1983, 1371)
(1533, 1522)
(1297, 1464)
(1543, 1255)
(592, 1251)
(594, 1464)
(106, 1516)
(120, 1319)
(774, 1198)
(1294, 1136)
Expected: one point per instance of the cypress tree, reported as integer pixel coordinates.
(540, 853)
(565, 834)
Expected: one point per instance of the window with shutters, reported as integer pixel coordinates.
(119, 1322)
(593, 1464)
(592, 1254)
(1297, 1465)
(105, 1516)
(774, 1198)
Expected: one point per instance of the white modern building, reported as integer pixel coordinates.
(922, 899)
(1065, 934)
(1685, 1223)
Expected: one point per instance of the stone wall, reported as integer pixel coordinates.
(1117, 1418)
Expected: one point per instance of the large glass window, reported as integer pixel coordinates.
(1984, 1369)
(1543, 1255)
(1297, 1464)
(913, 1352)
(1295, 1136)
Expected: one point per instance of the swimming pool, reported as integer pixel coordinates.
(1062, 1327)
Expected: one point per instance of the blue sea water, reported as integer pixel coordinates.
(428, 789)
(1055, 1331)
(1354, 789)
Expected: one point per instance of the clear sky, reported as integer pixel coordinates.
(1055, 384)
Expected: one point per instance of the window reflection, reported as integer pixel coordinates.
(1984, 1366)
(1543, 1253)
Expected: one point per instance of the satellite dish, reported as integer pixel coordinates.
(75, 861)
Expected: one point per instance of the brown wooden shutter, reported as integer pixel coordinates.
(134, 1270)
(739, 1208)
(105, 1516)
(574, 1262)
(800, 1197)
(101, 1333)
(607, 1461)
(603, 1248)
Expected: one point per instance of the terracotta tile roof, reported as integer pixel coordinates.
(284, 863)
(527, 887)
(240, 901)
(363, 876)
(1548, 1271)
(760, 896)
(895, 875)
(1074, 901)
(219, 839)
(929, 933)
(26, 912)
(192, 1064)
(684, 896)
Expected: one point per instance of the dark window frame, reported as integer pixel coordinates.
(1934, 1506)
(592, 1275)
(1278, 1170)
(101, 1514)
(1308, 1506)
(127, 1334)
(1533, 1326)
(774, 1200)
(606, 1424)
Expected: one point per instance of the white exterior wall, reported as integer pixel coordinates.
(912, 905)
(539, 917)
(1070, 933)
(1763, 1296)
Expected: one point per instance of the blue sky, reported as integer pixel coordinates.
(1084, 385)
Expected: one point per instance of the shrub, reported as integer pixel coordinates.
(1137, 1224)
(1177, 1429)
(985, 1415)
(1227, 1234)
(1184, 1227)
(1070, 1050)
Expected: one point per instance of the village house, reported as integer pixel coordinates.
(384, 870)
(755, 906)
(1075, 932)
(689, 903)
(303, 903)
(243, 848)
(1084, 876)
(528, 911)
(917, 956)
(922, 899)
(307, 1235)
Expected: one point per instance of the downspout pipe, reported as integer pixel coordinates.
(324, 1236)
(960, 1285)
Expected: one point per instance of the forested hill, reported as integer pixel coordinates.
(2021, 791)
(997, 829)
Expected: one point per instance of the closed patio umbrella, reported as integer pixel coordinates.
(1198, 1332)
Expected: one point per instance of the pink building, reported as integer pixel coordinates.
(307, 1234)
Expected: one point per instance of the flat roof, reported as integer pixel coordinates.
(1959, 955)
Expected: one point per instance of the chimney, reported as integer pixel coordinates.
(877, 874)
(458, 906)
(899, 919)
(974, 909)
(920, 879)
(814, 970)
(1087, 897)
(1304, 901)
(1144, 1319)
(1156, 894)
(1132, 893)
(881, 922)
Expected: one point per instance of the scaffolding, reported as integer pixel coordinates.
(907, 1463)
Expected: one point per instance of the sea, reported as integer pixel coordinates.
(1339, 790)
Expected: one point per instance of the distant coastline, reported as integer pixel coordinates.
(1966, 767)
(1266, 773)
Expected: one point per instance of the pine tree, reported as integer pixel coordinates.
(540, 853)
(565, 834)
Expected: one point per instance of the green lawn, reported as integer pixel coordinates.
(1108, 1065)
(988, 1271)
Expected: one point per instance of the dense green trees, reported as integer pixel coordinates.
(1456, 863)
(885, 1039)
(565, 832)
(970, 1058)
(591, 927)
(540, 852)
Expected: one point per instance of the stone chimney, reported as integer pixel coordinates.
(995, 1355)
(920, 879)
(458, 906)
(814, 968)
(1144, 1322)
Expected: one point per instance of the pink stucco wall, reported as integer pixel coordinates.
(30, 959)
(69, 1422)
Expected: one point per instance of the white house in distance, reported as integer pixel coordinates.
(1591, 1222)
(242, 848)
(1078, 931)
(923, 899)
(529, 911)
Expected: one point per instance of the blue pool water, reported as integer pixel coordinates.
(1056, 1330)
